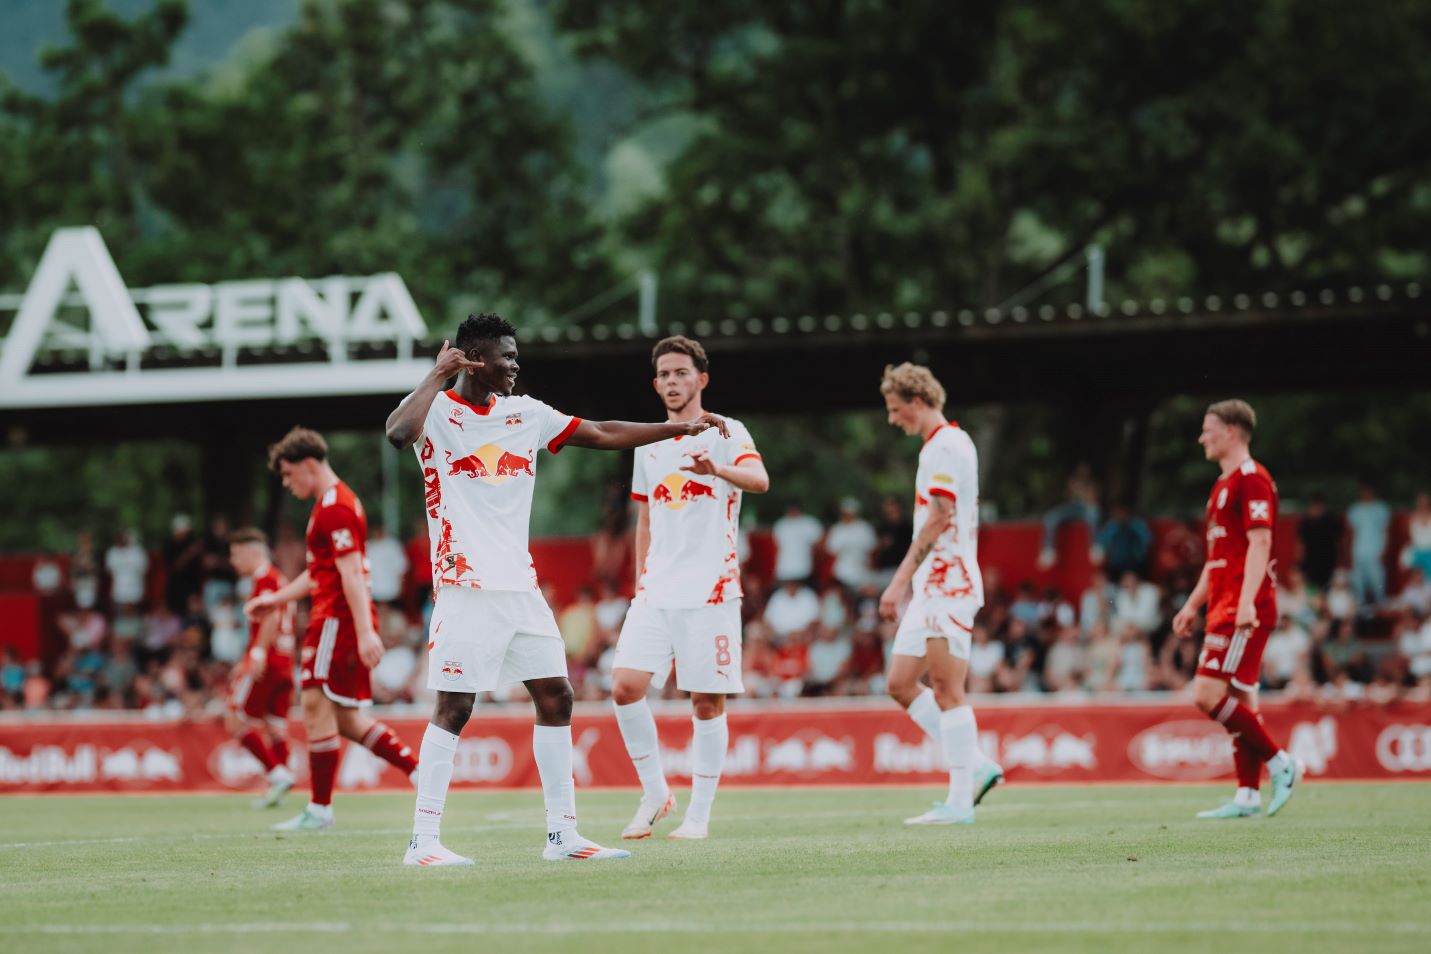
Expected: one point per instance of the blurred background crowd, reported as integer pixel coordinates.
(130, 625)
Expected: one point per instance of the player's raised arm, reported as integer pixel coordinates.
(622, 435)
(405, 422)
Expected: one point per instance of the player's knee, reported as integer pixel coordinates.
(1208, 697)
(452, 710)
(708, 707)
(626, 691)
(554, 702)
(902, 691)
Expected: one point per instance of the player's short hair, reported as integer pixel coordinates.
(298, 444)
(680, 344)
(908, 381)
(1235, 413)
(248, 535)
(484, 327)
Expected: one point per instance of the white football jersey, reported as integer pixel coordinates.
(479, 467)
(695, 520)
(949, 468)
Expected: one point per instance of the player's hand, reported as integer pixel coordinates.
(1184, 622)
(260, 604)
(705, 422)
(1246, 618)
(370, 648)
(701, 463)
(891, 600)
(450, 361)
(257, 663)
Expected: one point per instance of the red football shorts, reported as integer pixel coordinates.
(1236, 658)
(263, 699)
(330, 662)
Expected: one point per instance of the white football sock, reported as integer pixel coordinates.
(925, 713)
(551, 744)
(711, 739)
(1278, 762)
(638, 731)
(1247, 797)
(434, 773)
(960, 733)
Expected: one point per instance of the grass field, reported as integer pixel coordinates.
(1345, 867)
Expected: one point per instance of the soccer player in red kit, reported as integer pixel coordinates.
(341, 644)
(1238, 586)
(262, 688)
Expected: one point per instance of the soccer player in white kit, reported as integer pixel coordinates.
(687, 605)
(477, 445)
(942, 570)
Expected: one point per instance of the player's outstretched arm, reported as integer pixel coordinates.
(941, 514)
(749, 475)
(623, 435)
(405, 422)
(296, 588)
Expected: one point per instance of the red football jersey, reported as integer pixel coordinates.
(280, 651)
(1243, 500)
(338, 526)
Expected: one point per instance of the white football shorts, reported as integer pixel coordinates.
(704, 641)
(936, 617)
(484, 639)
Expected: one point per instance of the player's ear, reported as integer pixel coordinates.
(704, 379)
(656, 385)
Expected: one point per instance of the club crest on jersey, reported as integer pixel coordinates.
(1259, 509)
(1222, 498)
(491, 464)
(451, 670)
(514, 420)
(676, 491)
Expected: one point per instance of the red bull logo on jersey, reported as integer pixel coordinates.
(677, 490)
(492, 464)
(451, 670)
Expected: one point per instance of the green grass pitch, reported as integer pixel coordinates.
(1344, 867)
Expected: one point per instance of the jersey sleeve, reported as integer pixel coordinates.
(556, 427)
(1257, 497)
(939, 474)
(740, 446)
(340, 525)
(640, 483)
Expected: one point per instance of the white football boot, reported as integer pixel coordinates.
(647, 814)
(570, 846)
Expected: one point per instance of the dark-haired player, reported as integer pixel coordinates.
(687, 606)
(262, 687)
(478, 445)
(341, 644)
(1239, 587)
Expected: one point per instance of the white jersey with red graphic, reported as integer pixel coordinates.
(949, 468)
(695, 519)
(479, 465)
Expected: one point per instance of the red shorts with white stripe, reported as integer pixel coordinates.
(331, 663)
(1236, 658)
(266, 698)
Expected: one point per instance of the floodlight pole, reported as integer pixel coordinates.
(647, 313)
(1094, 298)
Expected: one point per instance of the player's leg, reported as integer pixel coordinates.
(958, 733)
(1232, 663)
(379, 739)
(551, 746)
(242, 727)
(638, 732)
(434, 774)
(706, 642)
(643, 655)
(267, 712)
(320, 720)
(1247, 798)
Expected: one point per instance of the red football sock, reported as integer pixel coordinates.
(280, 750)
(1244, 726)
(381, 741)
(1249, 770)
(253, 741)
(323, 768)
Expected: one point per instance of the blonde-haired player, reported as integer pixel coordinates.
(941, 571)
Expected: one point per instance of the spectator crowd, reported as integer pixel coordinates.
(161, 630)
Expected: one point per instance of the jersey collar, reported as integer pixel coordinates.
(484, 409)
(953, 424)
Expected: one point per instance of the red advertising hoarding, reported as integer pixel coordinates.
(824, 745)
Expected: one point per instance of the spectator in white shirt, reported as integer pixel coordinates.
(127, 564)
(791, 608)
(387, 561)
(1286, 652)
(1136, 602)
(1096, 604)
(851, 541)
(795, 535)
(1416, 594)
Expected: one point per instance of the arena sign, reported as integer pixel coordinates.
(225, 338)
